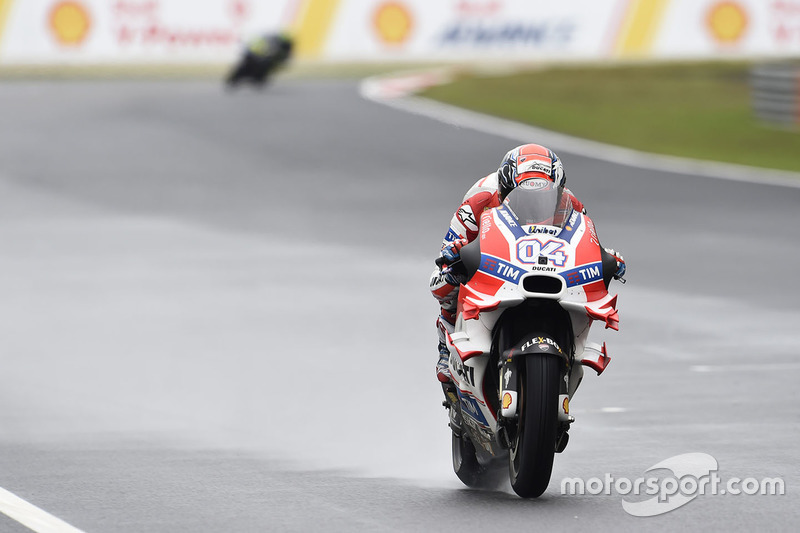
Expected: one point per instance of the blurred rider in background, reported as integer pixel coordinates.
(528, 161)
(261, 57)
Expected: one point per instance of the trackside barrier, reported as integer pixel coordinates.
(192, 32)
(775, 93)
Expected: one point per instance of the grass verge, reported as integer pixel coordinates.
(700, 111)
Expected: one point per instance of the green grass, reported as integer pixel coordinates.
(692, 110)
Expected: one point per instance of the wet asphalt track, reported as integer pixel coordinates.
(214, 316)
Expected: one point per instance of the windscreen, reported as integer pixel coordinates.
(539, 202)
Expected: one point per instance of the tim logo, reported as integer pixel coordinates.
(529, 250)
(500, 269)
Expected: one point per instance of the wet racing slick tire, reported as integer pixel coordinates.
(533, 446)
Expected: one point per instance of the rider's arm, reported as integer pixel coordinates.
(464, 227)
(615, 260)
(465, 221)
(576, 204)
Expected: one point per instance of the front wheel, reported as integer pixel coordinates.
(533, 447)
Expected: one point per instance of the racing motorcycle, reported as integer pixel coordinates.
(261, 58)
(536, 280)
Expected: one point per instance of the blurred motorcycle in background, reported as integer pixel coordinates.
(261, 58)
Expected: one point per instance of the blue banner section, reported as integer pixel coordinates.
(470, 407)
(511, 222)
(451, 235)
(583, 274)
(573, 223)
(500, 269)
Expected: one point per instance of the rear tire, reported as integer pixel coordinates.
(469, 469)
(465, 461)
(233, 78)
(533, 448)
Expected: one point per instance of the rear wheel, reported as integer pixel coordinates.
(465, 462)
(473, 472)
(234, 77)
(533, 446)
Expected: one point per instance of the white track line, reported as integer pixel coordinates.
(397, 92)
(754, 367)
(31, 516)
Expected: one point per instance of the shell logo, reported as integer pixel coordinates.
(393, 22)
(507, 400)
(70, 22)
(727, 21)
(565, 405)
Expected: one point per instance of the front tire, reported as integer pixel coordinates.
(533, 447)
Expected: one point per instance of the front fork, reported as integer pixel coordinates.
(509, 403)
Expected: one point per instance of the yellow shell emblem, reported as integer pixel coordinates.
(506, 400)
(727, 21)
(70, 22)
(393, 22)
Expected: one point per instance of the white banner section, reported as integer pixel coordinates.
(131, 31)
(212, 31)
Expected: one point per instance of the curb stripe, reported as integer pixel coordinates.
(312, 26)
(31, 516)
(640, 26)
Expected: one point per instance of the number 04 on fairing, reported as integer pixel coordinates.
(537, 280)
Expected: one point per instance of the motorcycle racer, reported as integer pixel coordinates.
(260, 58)
(527, 161)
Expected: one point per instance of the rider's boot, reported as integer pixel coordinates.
(443, 327)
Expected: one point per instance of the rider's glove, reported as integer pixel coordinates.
(452, 250)
(453, 278)
(620, 263)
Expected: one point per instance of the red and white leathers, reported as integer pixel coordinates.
(481, 196)
(464, 225)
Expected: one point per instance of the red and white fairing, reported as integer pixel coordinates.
(519, 262)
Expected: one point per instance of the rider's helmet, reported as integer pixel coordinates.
(529, 161)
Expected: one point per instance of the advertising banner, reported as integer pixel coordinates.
(729, 28)
(461, 29)
(566, 29)
(119, 31)
(212, 31)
